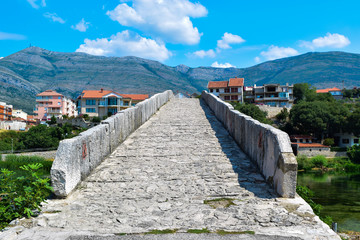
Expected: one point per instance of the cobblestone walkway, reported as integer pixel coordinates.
(163, 176)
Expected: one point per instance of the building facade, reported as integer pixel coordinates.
(346, 139)
(5, 111)
(231, 91)
(100, 103)
(51, 103)
(18, 113)
(274, 95)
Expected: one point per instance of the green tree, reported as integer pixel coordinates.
(39, 136)
(303, 91)
(53, 120)
(283, 115)
(252, 111)
(354, 153)
(353, 122)
(322, 119)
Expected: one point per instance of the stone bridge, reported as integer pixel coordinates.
(176, 170)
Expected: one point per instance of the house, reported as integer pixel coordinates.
(19, 113)
(301, 139)
(102, 102)
(310, 149)
(5, 111)
(335, 92)
(346, 139)
(51, 103)
(231, 90)
(275, 95)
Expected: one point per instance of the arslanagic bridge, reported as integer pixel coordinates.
(173, 168)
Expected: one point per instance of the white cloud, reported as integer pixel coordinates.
(126, 44)
(34, 4)
(330, 40)
(202, 53)
(275, 52)
(257, 59)
(54, 17)
(228, 39)
(220, 65)
(82, 26)
(1, 57)
(165, 19)
(11, 36)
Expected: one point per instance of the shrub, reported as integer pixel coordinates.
(329, 142)
(304, 163)
(20, 196)
(354, 153)
(95, 120)
(338, 149)
(319, 161)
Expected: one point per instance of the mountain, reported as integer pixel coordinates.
(33, 70)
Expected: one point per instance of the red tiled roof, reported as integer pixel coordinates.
(326, 90)
(49, 93)
(218, 84)
(139, 97)
(236, 82)
(311, 145)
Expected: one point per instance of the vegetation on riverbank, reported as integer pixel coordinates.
(40, 136)
(323, 164)
(24, 184)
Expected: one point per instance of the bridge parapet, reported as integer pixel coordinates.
(269, 147)
(77, 157)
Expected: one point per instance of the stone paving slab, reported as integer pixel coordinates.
(161, 177)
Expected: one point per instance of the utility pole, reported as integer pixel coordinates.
(12, 146)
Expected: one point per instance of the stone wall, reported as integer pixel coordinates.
(272, 111)
(12, 125)
(77, 157)
(267, 146)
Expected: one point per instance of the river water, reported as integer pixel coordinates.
(339, 195)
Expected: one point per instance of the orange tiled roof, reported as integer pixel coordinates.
(139, 97)
(236, 82)
(326, 90)
(96, 93)
(49, 93)
(218, 84)
(310, 145)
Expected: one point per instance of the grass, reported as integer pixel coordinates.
(198, 231)
(223, 232)
(13, 162)
(220, 202)
(166, 231)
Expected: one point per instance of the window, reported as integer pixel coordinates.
(126, 103)
(234, 97)
(59, 97)
(217, 90)
(227, 98)
(59, 103)
(112, 111)
(227, 90)
(356, 140)
(211, 90)
(234, 89)
(112, 101)
(90, 110)
(90, 102)
(345, 141)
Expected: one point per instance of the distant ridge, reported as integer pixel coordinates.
(32, 70)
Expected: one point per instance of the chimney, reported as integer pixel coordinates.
(101, 90)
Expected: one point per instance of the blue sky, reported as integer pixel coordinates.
(195, 33)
